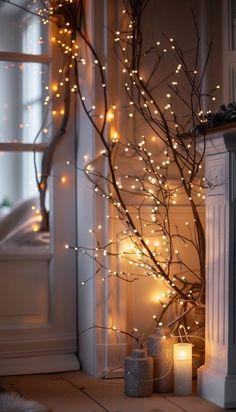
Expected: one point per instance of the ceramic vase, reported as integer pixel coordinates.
(160, 347)
(138, 374)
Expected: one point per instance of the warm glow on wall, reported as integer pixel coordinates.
(110, 115)
(126, 247)
(114, 135)
(157, 296)
(63, 179)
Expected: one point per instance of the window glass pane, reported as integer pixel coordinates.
(23, 116)
(19, 201)
(233, 23)
(21, 31)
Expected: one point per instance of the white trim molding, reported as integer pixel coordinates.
(39, 364)
(217, 378)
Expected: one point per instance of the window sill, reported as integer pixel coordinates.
(22, 147)
(27, 252)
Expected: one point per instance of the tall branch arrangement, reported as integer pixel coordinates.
(156, 165)
(145, 176)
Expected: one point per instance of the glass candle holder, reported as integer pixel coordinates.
(183, 368)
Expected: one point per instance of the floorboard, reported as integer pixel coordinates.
(78, 392)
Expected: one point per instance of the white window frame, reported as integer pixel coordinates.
(229, 55)
(21, 147)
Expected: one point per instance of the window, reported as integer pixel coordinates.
(24, 120)
(233, 24)
(229, 50)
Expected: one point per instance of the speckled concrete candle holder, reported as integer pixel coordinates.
(160, 347)
(138, 374)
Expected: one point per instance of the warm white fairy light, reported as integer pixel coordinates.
(136, 186)
(63, 179)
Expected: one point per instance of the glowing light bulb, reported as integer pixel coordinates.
(35, 227)
(110, 115)
(115, 136)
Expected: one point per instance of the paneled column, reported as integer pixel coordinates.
(217, 378)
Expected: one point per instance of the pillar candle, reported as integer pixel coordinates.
(183, 368)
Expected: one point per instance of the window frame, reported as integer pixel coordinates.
(22, 147)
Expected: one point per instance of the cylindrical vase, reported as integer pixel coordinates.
(160, 347)
(138, 374)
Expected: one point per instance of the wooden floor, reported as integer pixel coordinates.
(78, 392)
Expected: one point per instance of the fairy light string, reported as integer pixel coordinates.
(151, 246)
